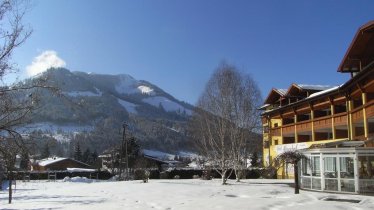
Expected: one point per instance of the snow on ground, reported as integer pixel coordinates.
(78, 179)
(130, 107)
(168, 105)
(79, 193)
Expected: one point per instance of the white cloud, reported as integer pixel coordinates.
(44, 61)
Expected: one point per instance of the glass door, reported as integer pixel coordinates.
(347, 178)
(330, 174)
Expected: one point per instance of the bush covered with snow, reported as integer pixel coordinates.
(77, 179)
(196, 177)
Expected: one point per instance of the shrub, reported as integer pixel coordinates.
(206, 175)
(164, 175)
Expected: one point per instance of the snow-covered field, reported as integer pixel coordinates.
(174, 194)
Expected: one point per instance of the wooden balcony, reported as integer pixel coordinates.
(357, 114)
(370, 109)
(340, 119)
(288, 129)
(323, 122)
(304, 126)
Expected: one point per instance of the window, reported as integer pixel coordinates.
(330, 167)
(275, 125)
(366, 167)
(306, 167)
(276, 142)
(316, 167)
(346, 168)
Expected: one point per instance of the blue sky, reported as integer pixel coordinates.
(177, 44)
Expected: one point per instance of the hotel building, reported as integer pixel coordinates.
(332, 125)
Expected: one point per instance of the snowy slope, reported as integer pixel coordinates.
(128, 85)
(52, 127)
(97, 93)
(130, 107)
(168, 105)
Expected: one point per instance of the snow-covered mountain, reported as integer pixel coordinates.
(155, 117)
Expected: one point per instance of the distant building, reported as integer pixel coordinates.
(334, 126)
(58, 164)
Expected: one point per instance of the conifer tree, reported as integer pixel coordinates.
(45, 152)
(24, 164)
(254, 159)
(86, 158)
(77, 152)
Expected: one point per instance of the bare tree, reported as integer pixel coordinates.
(225, 117)
(17, 101)
(9, 148)
(292, 157)
(12, 32)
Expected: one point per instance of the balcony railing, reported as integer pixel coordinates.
(322, 122)
(357, 114)
(288, 129)
(304, 126)
(370, 109)
(340, 119)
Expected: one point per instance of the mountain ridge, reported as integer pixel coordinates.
(157, 119)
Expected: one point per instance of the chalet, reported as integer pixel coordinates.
(332, 126)
(58, 164)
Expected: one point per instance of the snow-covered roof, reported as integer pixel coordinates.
(163, 161)
(324, 91)
(314, 87)
(51, 160)
(158, 154)
(264, 106)
(281, 91)
(80, 170)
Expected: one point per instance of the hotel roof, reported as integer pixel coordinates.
(360, 53)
